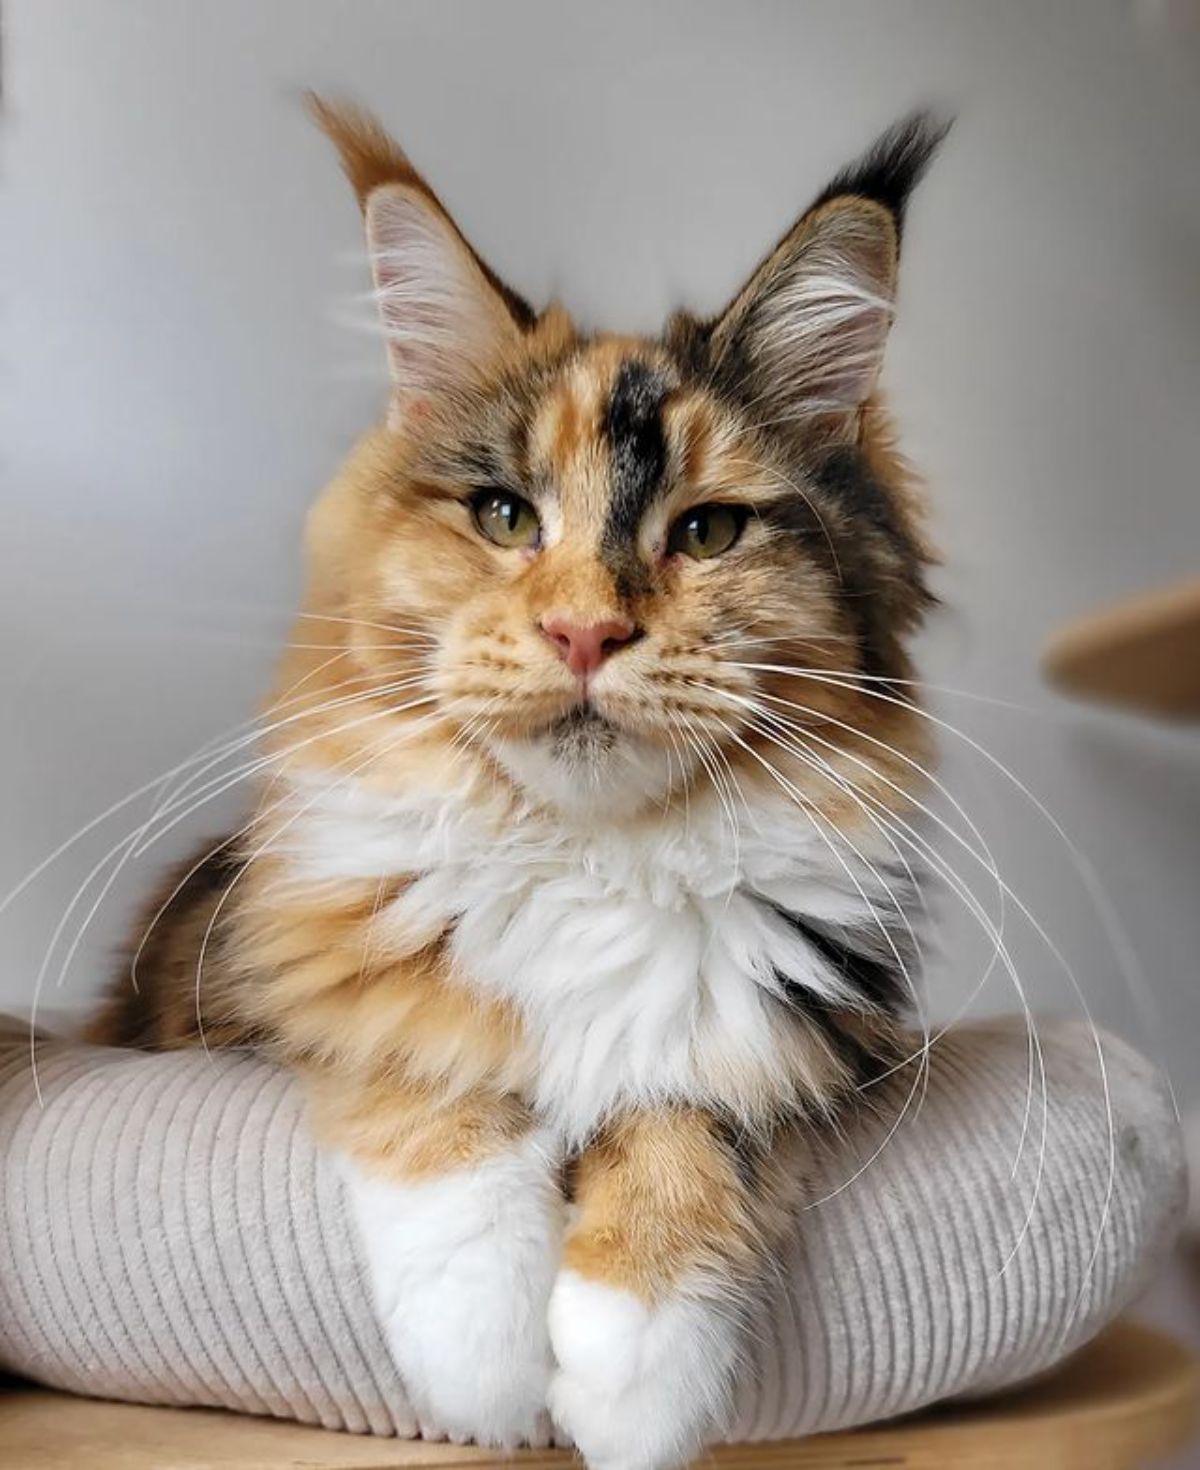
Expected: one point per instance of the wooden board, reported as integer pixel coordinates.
(1143, 654)
(1125, 1401)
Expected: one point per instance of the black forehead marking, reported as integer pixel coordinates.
(633, 429)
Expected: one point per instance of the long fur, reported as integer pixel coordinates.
(634, 936)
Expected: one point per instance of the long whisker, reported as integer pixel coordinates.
(256, 730)
(793, 734)
(945, 725)
(392, 647)
(263, 763)
(1038, 928)
(684, 780)
(784, 727)
(257, 735)
(389, 744)
(897, 907)
(854, 679)
(806, 806)
(687, 730)
(1000, 952)
(144, 789)
(744, 639)
(164, 803)
(137, 844)
(1037, 1059)
(816, 816)
(314, 617)
(724, 780)
(162, 782)
(922, 1080)
(891, 826)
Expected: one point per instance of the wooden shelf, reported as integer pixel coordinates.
(1123, 1402)
(1142, 655)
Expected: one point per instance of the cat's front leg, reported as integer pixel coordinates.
(459, 1212)
(668, 1244)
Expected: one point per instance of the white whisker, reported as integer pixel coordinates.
(1038, 928)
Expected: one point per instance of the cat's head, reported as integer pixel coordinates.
(606, 560)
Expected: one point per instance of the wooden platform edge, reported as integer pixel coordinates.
(1124, 1401)
(1143, 654)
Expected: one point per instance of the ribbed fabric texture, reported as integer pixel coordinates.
(169, 1234)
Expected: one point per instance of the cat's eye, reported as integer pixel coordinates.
(706, 531)
(506, 519)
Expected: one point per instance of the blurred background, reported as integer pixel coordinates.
(184, 365)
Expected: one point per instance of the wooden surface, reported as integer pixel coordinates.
(1125, 1401)
(1143, 654)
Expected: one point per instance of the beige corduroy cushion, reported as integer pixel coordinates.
(169, 1234)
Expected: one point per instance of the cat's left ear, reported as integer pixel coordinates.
(446, 316)
(806, 334)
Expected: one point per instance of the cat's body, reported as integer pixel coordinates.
(579, 867)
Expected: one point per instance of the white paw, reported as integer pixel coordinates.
(638, 1387)
(461, 1267)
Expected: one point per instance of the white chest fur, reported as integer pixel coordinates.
(645, 958)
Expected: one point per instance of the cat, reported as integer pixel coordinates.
(577, 885)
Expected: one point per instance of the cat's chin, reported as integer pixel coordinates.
(585, 765)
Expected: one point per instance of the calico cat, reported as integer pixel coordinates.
(576, 886)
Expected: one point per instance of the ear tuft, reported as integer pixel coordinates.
(444, 312)
(805, 336)
(893, 166)
(370, 158)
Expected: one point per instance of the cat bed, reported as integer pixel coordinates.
(170, 1235)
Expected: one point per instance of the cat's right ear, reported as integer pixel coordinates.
(444, 313)
(805, 336)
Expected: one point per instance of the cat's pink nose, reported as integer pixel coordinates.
(583, 647)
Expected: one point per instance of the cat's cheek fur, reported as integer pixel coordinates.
(640, 1386)
(461, 1266)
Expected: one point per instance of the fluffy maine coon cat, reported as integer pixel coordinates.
(577, 885)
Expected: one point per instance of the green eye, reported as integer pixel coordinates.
(506, 519)
(706, 530)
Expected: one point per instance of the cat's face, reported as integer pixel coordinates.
(609, 554)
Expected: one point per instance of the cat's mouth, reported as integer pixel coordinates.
(586, 762)
(582, 733)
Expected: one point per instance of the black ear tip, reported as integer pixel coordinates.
(894, 164)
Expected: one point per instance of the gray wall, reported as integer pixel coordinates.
(181, 367)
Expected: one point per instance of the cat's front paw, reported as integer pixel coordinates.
(461, 1267)
(638, 1386)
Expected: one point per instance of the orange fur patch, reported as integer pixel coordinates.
(660, 1198)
